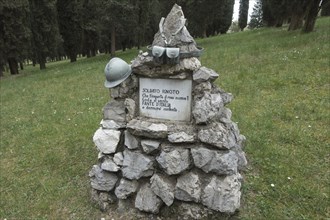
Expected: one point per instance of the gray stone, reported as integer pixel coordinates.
(126, 188)
(130, 141)
(109, 165)
(137, 165)
(106, 140)
(114, 110)
(147, 129)
(111, 124)
(180, 76)
(163, 187)
(200, 88)
(222, 163)
(144, 67)
(223, 193)
(102, 180)
(226, 97)
(225, 115)
(150, 146)
(118, 158)
(204, 74)
(130, 107)
(175, 32)
(216, 135)
(181, 137)
(242, 162)
(175, 161)
(125, 89)
(147, 201)
(100, 156)
(188, 187)
(207, 108)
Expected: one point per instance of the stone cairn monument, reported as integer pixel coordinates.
(166, 136)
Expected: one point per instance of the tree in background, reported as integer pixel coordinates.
(90, 24)
(325, 8)
(15, 33)
(243, 13)
(69, 27)
(311, 15)
(45, 31)
(256, 20)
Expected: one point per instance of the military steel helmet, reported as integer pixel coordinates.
(116, 71)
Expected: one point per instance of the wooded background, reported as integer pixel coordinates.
(44, 30)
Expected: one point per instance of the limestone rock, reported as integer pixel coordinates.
(151, 70)
(223, 193)
(200, 88)
(147, 129)
(130, 107)
(130, 141)
(207, 108)
(146, 200)
(188, 187)
(181, 137)
(118, 158)
(150, 146)
(215, 161)
(111, 124)
(114, 110)
(106, 140)
(125, 89)
(175, 161)
(126, 188)
(163, 187)
(102, 180)
(204, 74)
(109, 165)
(175, 32)
(215, 135)
(137, 165)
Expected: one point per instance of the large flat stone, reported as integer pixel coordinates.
(181, 137)
(147, 129)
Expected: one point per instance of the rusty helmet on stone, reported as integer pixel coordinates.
(116, 71)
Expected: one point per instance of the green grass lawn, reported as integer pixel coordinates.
(281, 84)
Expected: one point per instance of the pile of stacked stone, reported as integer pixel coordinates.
(154, 162)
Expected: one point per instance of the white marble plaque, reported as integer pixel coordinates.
(165, 98)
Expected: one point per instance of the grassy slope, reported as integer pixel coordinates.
(280, 81)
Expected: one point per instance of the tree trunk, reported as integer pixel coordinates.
(113, 41)
(296, 21)
(42, 63)
(21, 65)
(13, 66)
(73, 58)
(312, 12)
(1, 70)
